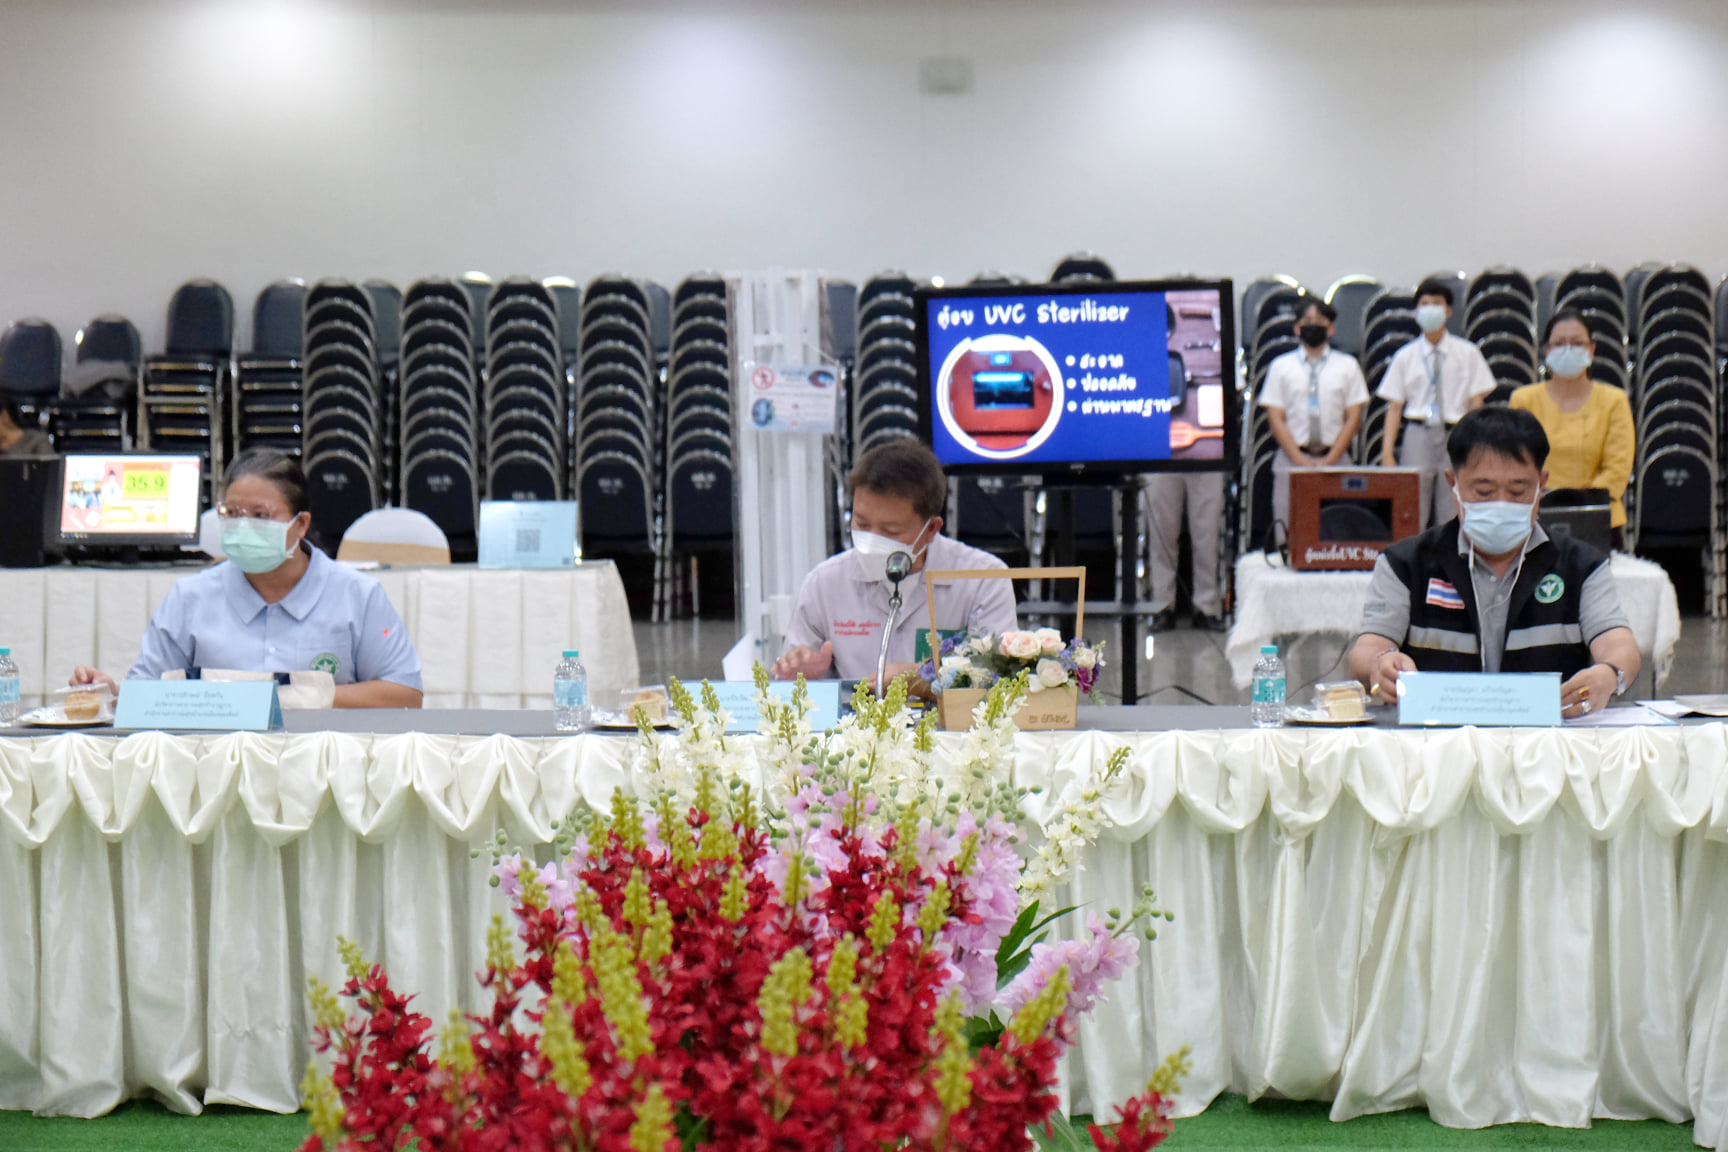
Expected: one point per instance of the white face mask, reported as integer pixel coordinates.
(873, 551)
(1431, 317)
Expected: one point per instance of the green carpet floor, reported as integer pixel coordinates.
(1231, 1123)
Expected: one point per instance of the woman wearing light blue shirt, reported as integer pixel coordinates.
(279, 604)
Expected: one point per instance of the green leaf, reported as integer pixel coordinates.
(1062, 1137)
(1015, 951)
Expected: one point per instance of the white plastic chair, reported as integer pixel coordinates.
(395, 536)
(209, 535)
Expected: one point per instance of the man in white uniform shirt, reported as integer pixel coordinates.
(1313, 398)
(1429, 386)
(898, 494)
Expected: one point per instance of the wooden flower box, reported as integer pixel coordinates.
(1053, 709)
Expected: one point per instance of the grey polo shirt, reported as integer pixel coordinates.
(1387, 609)
(839, 603)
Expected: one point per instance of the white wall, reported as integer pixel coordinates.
(148, 141)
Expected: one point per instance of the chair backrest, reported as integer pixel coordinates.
(201, 320)
(210, 534)
(110, 337)
(395, 536)
(1081, 266)
(386, 318)
(1350, 296)
(30, 358)
(277, 316)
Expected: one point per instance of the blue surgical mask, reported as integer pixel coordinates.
(1431, 317)
(1567, 360)
(1495, 527)
(256, 546)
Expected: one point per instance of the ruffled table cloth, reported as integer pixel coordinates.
(486, 638)
(1507, 925)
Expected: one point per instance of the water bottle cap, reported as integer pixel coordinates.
(571, 654)
(5, 651)
(1268, 649)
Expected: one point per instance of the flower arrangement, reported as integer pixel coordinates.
(836, 959)
(978, 659)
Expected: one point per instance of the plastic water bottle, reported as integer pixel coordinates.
(570, 694)
(9, 691)
(1268, 705)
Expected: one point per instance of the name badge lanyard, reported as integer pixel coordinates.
(1431, 409)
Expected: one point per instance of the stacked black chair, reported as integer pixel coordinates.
(1271, 306)
(387, 337)
(527, 401)
(1389, 324)
(1500, 319)
(1598, 294)
(569, 297)
(1081, 267)
(269, 401)
(343, 434)
(439, 406)
(478, 286)
(1351, 295)
(185, 387)
(387, 320)
(1675, 404)
(700, 428)
(30, 365)
(619, 417)
(1722, 319)
(94, 411)
(884, 392)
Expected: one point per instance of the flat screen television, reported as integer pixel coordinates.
(112, 501)
(1089, 381)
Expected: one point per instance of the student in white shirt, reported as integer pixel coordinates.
(1429, 386)
(1313, 398)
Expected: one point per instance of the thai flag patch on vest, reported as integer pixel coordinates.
(1443, 595)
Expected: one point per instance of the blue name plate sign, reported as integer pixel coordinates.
(738, 697)
(241, 706)
(528, 534)
(1480, 699)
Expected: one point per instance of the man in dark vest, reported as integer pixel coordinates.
(1490, 591)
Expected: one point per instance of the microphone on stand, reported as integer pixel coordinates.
(899, 567)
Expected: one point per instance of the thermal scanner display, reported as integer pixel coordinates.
(135, 499)
(1098, 378)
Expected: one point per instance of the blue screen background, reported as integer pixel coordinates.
(1121, 424)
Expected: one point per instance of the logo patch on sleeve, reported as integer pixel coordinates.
(1443, 595)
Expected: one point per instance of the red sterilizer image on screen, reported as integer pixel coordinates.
(1000, 399)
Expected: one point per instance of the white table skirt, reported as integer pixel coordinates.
(487, 639)
(1278, 601)
(1501, 925)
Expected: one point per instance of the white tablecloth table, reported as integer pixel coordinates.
(1278, 601)
(487, 639)
(1507, 925)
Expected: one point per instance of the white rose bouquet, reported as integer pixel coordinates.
(978, 659)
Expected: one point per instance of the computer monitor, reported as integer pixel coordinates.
(28, 511)
(1084, 381)
(121, 501)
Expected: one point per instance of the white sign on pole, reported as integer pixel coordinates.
(792, 397)
(781, 472)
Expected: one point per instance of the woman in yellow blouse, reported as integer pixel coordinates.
(1589, 425)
